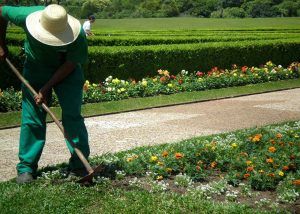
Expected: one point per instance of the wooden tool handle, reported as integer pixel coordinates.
(46, 108)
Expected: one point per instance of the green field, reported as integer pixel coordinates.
(152, 24)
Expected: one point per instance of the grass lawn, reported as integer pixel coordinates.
(153, 24)
(11, 119)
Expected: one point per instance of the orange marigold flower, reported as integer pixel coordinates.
(178, 155)
(165, 154)
(272, 141)
(272, 149)
(270, 160)
(279, 135)
(213, 164)
(271, 175)
(250, 169)
(285, 168)
(296, 182)
(247, 175)
(257, 138)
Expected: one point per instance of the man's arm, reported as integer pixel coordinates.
(3, 27)
(63, 71)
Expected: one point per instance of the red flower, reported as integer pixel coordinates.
(199, 74)
(285, 168)
(244, 69)
(163, 79)
(173, 77)
(180, 81)
(178, 155)
(247, 175)
(250, 169)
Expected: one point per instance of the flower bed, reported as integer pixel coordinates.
(166, 83)
(259, 167)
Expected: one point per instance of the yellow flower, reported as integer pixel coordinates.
(129, 159)
(235, 74)
(269, 63)
(116, 81)
(281, 173)
(169, 170)
(160, 163)
(170, 85)
(160, 177)
(248, 162)
(261, 171)
(154, 80)
(200, 79)
(234, 145)
(123, 89)
(166, 73)
(144, 83)
(153, 158)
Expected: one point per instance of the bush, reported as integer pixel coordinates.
(139, 62)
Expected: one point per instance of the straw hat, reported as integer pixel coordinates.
(53, 26)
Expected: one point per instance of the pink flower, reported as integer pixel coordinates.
(199, 74)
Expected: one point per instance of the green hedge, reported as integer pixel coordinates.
(140, 61)
(17, 39)
(7, 77)
(137, 62)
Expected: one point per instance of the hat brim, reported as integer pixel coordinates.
(65, 37)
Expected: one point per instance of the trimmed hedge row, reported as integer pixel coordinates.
(159, 40)
(18, 39)
(138, 62)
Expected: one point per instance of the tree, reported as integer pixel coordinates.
(205, 7)
(289, 8)
(93, 6)
(260, 8)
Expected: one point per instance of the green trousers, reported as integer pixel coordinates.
(33, 127)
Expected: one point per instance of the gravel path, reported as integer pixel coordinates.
(112, 133)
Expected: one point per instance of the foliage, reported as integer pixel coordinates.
(166, 83)
(172, 8)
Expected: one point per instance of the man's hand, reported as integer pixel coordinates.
(42, 96)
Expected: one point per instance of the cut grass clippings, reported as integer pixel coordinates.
(13, 119)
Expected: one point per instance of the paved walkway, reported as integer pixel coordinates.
(112, 133)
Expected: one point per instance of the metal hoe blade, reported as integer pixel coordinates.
(88, 179)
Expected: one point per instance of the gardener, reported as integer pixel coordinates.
(87, 25)
(55, 48)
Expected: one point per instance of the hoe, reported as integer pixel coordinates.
(91, 172)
